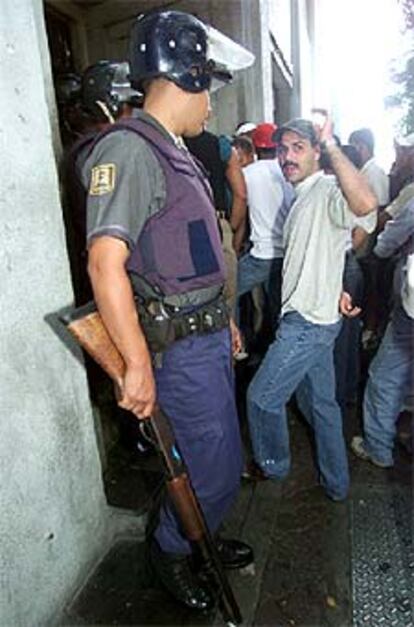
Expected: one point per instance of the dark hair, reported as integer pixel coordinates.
(353, 155)
(244, 143)
(266, 153)
(363, 136)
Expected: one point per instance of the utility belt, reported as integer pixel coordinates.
(163, 325)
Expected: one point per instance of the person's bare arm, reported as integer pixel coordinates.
(115, 301)
(235, 179)
(359, 237)
(360, 197)
(238, 238)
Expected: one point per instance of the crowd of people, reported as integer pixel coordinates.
(375, 280)
(194, 245)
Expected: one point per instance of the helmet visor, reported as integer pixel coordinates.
(225, 56)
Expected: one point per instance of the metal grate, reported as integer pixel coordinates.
(382, 558)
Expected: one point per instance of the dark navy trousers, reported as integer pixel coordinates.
(195, 388)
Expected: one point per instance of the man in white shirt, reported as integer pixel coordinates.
(363, 140)
(269, 198)
(301, 357)
(392, 369)
(375, 292)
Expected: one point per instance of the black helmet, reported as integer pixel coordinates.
(173, 45)
(106, 85)
(68, 88)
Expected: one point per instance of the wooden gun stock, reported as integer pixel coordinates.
(87, 327)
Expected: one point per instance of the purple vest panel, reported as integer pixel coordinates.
(179, 249)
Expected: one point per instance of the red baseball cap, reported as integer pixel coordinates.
(262, 135)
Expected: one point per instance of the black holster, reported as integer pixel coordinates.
(163, 325)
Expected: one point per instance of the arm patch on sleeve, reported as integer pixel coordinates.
(102, 179)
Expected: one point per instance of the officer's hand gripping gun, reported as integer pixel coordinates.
(86, 326)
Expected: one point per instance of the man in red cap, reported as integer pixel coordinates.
(269, 198)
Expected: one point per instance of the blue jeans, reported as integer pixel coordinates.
(300, 359)
(252, 271)
(390, 377)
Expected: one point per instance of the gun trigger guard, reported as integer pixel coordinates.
(143, 427)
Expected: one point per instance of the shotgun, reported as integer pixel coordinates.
(87, 327)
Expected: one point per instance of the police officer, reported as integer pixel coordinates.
(153, 238)
(102, 94)
(67, 92)
(105, 95)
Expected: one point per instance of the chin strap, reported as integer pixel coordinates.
(105, 111)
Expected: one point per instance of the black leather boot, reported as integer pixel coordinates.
(234, 553)
(174, 573)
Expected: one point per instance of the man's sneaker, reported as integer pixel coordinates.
(357, 447)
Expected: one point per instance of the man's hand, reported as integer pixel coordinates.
(359, 195)
(326, 131)
(323, 125)
(346, 307)
(137, 391)
(236, 339)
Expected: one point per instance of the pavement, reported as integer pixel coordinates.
(317, 562)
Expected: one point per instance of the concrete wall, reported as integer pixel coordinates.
(302, 32)
(54, 518)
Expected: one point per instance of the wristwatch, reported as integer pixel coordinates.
(326, 143)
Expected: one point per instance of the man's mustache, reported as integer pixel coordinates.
(289, 163)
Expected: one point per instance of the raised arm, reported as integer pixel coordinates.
(360, 197)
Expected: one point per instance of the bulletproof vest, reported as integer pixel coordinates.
(207, 150)
(179, 248)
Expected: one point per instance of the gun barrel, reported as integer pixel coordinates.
(192, 518)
